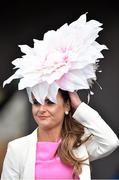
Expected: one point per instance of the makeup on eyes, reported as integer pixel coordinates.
(47, 101)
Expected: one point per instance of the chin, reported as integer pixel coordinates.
(45, 126)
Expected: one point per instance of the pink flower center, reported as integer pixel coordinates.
(66, 58)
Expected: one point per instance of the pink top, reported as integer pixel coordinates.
(49, 166)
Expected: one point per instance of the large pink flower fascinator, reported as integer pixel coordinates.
(66, 58)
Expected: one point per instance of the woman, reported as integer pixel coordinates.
(70, 134)
(63, 149)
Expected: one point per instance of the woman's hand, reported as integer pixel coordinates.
(75, 100)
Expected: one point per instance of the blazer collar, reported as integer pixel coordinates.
(29, 171)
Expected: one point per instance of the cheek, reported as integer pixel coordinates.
(58, 113)
(34, 110)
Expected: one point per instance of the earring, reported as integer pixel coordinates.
(66, 112)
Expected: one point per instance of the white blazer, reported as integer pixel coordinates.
(19, 162)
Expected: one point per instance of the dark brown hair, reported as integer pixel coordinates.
(71, 134)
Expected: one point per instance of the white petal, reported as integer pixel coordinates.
(17, 62)
(23, 83)
(37, 42)
(40, 92)
(57, 74)
(27, 81)
(52, 92)
(89, 72)
(29, 95)
(94, 23)
(80, 22)
(25, 49)
(73, 81)
(16, 75)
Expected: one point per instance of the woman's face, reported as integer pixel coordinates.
(50, 115)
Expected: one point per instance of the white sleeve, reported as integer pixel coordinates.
(104, 141)
(10, 169)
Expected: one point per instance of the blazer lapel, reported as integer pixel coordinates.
(29, 167)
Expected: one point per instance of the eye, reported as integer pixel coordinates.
(47, 101)
(35, 102)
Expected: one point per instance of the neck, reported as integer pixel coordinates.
(48, 135)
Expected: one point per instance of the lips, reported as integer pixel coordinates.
(42, 117)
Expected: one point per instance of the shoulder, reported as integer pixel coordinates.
(24, 141)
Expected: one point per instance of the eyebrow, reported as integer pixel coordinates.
(34, 99)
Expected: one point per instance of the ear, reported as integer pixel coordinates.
(67, 106)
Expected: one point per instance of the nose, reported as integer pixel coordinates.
(41, 108)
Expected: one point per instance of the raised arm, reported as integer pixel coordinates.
(104, 141)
